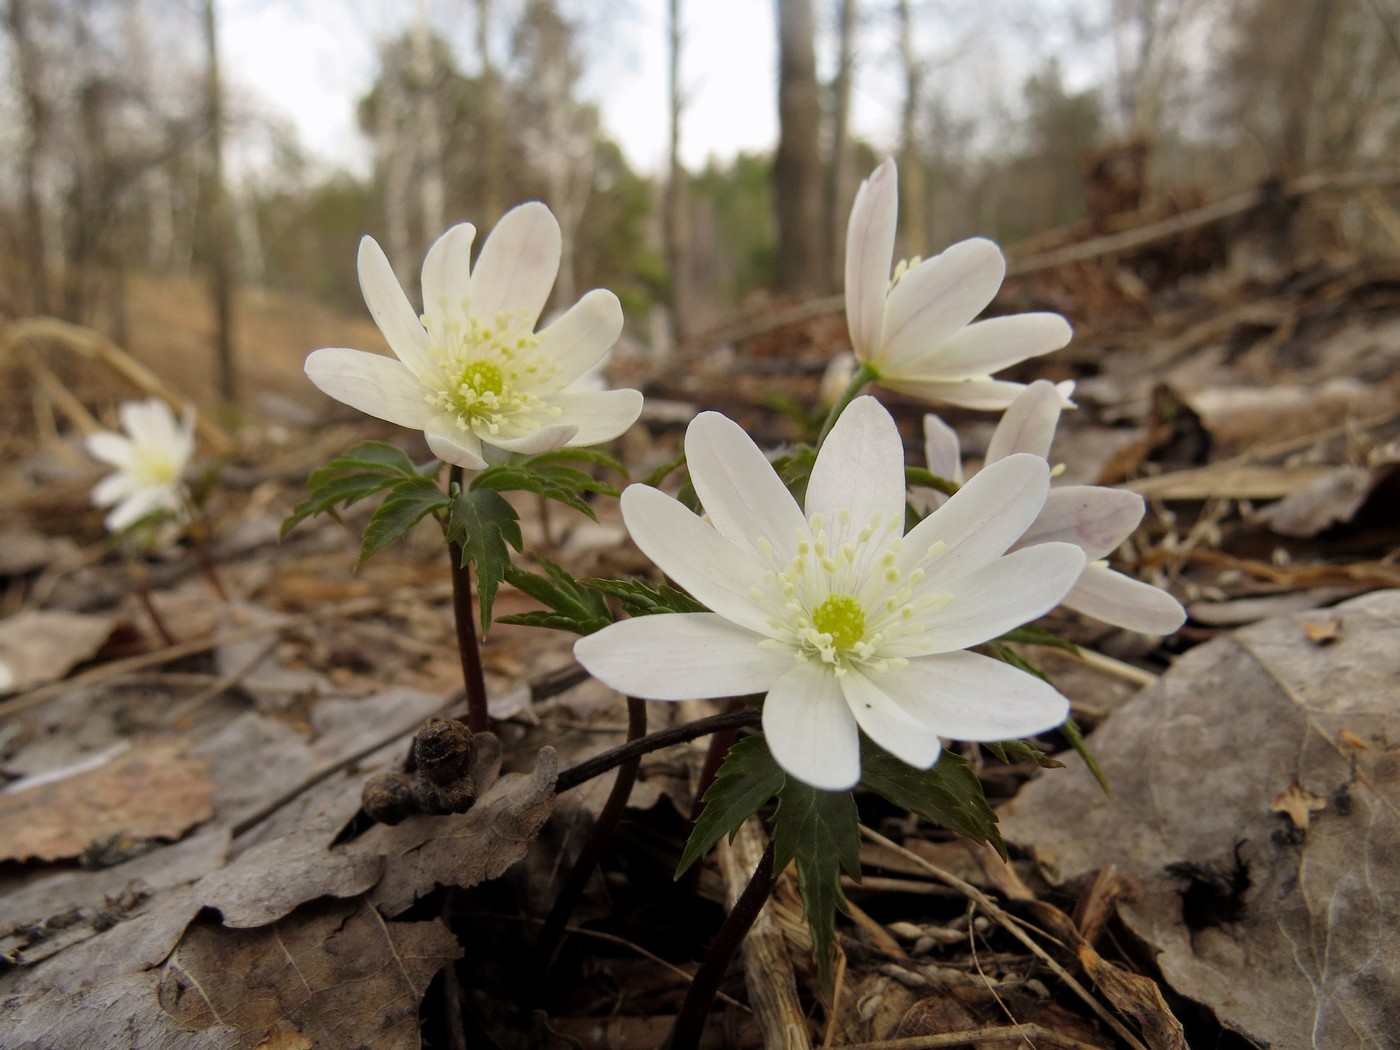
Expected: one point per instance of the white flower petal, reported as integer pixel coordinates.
(447, 271)
(1125, 602)
(136, 506)
(980, 522)
(982, 393)
(810, 730)
(150, 423)
(738, 486)
(376, 385)
(989, 346)
(715, 571)
(935, 299)
(541, 439)
(680, 656)
(113, 489)
(1029, 423)
(583, 334)
(909, 737)
(1002, 596)
(389, 307)
(965, 696)
(516, 268)
(110, 448)
(1094, 518)
(869, 252)
(859, 474)
(942, 450)
(599, 415)
(451, 445)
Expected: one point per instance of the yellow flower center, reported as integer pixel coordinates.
(488, 376)
(841, 617)
(153, 466)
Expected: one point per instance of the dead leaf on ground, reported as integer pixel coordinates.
(149, 791)
(334, 973)
(41, 646)
(1286, 936)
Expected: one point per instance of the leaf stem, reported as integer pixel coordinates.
(690, 1022)
(599, 764)
(547, 944)
(478, 721)
(865, 375)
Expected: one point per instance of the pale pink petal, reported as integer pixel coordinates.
(859, 476)
(989, 346)
(809, 728)
(1095, 519)
(541, 439)
(981, 522)
(447, 272)
(680, 656)
(599, 415)
(935, 299)
(515, 271)
(389, 307)
(718, 573)
(869, 253)
(738, 487)
(982, 394)
(110, 448)
(965, 696)
(942, 450)
(996, 598)
(1029, 423)
(582, 335)
(909, 737)
(451, 445)
(1125, 602)
(378, 386)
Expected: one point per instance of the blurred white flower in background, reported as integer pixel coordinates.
(150, 458)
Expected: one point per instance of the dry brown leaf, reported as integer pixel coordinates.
(41, 646)
(150, 791)
(1287, 938)
(336, 973)
(1299, 804)
(1323, 632)
(1137, 997)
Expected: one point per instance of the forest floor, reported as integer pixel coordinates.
(184, 863)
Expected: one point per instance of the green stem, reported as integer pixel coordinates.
(547, 944)
(468, 646)
(865, 375)
(690, 1022)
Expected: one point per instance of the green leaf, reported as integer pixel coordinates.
(376, 457)
(1076, 740)
(746, 780)
(660, 474)
(949, 794)
(482, 523)
(1032, 635)
(821, 830)
(795, 470)
(641, 598)
(408, 502)
(552, 479)
(363, 470)
(593, 456)
(572, 605)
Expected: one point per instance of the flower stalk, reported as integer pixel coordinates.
(863, 377)
(468, 645)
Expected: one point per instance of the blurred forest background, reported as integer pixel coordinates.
(117, 123)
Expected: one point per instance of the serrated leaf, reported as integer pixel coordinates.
(372, 456)
(363, 470)
(821, 831)
(641, 598)
(949, 794)
(553, 481)
(746, 780)
(596, 457)
(482, 523)
(572, 606)
(1081, 747)
(407, 503)
(1032, 635)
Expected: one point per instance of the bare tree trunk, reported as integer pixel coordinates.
(835, 204)
(797, 175)
(491, 203)
(671, 205)
(428, 137)
(221, 268)
(36, 130)
(396, 163)
(911, 161)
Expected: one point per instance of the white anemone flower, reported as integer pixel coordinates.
(843, 621)
(1094, 518)
(915, 334)
(150, 459)
(472, 371)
